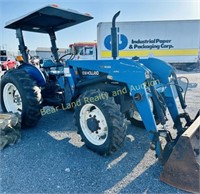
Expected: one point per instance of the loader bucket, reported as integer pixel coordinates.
(182, 168)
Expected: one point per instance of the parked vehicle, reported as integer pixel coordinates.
(6, 62)
(122, 89)
(84, 50)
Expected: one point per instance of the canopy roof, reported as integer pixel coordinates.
(48, 18)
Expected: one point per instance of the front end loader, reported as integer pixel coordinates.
(103, 93)
(182, 168)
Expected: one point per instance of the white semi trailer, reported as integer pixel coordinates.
(174, 41)
(177, 41)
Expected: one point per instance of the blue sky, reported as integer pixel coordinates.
(101, 10)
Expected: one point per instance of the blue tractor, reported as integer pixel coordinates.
(102, 93)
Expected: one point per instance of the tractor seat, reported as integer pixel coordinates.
(47, 63)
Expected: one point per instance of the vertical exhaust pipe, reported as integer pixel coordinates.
(114, 36)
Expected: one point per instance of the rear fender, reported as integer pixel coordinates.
(35, 73)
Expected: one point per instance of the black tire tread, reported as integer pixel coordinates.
(135, 122)
(31, 94)
(117, 121)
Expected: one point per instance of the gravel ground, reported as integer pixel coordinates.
(50, 158)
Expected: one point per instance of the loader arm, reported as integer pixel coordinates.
(166, 75)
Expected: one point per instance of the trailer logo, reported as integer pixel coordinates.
(122, 40)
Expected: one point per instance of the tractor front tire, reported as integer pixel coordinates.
(20, 94)
(134, 116)
(99, 121)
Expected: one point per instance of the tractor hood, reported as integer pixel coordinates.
(47, 19)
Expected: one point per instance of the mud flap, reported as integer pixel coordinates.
(182, 168)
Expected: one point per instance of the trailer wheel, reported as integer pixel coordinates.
(99, 121)
(20, 94)
(134, 116)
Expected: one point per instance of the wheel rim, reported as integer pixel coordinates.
(12, 98)
(93, 124)
(136, 114)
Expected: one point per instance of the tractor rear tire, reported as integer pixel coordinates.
(99, 121)
(20, 94)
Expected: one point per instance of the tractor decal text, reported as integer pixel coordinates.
(103, 96)
(144, 85)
